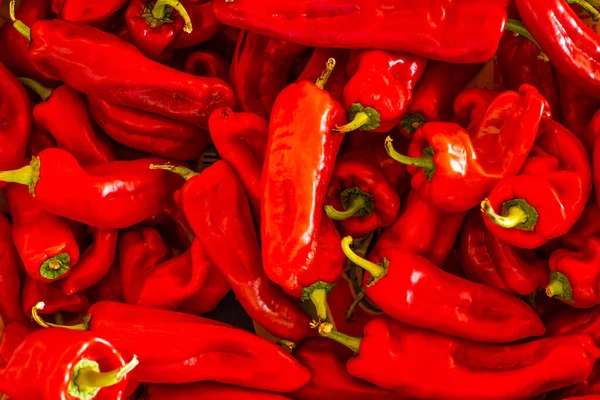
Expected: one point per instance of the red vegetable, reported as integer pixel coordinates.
(314, 68)
(207, 63)
(10, 285)
(207, 391)
(97, 13)
(208, 298)
(54, 299)
(205, 25)
(39, 140)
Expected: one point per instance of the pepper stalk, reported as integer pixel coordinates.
(516, 213)
(377, 271)
(326, 330)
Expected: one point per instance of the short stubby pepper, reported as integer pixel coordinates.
(549, 196)
(10, 283)
(455, 169)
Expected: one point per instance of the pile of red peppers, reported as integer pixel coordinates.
(309, 200)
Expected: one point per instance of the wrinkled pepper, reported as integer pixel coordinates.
(207, 63)
(207, 391)
(52, 296)
(10, 283)
(548, 197)
(97, 13)
(205, 25)
(338, 79)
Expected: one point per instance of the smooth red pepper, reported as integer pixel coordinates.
(64, 364)
(241, 140)
(338, 79)
(54, 299)
(107, 196)
(208, 298)
(64, 114)
(109, 288)
(39, 140)
(379, 88)
(434, 29)
(401, 358)
(207, 391)
(455, 169)
(488, 260)
(207, 63)
(135, 82)
(94, 263)
(361, 198)
(44, 241)
(471, 105)
(12, 336)
(411, 289)
(148, 132)
(548, 197)
(97, 13)
(205, 25)
(259, 70)
(10, 283)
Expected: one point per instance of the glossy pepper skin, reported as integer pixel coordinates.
(259, 70)
(361, 198)
(461, 167)
(548, 197)
(207, 391)
(44, 241)
(570, 321)
(65, 115)
(565, 39)
(64, 364)
(395, 356)
(207, 63)
(95, 262)
(15, 112)
(294, 185)
(433, 30)
(488, 260)
(204, 22)
(208, 298)
(592, 131)
(97, 13)
(10, 283)
(38, 141)
(148, 132)
(107, 196)
(139, 83)
(12, 336)
(411, 289)
(379, 88)
(241, 140)
(54, 299)
(338, 79)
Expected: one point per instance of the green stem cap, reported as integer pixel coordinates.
(560, 287)
(322, 80)
(516, 213)
(43, 91)
(18, 25)
(55, 267)
(317, 293)
(412, 122)
(355, 202)
(365, 119)
(184, 172)
(87, 380)
(160, 13)
(425, 163)
(28, 175)
(326, 330)
(377, 271)
(588, 7)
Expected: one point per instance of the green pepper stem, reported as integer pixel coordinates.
(55, 267)
(594, 3)
(184, 172)
(517, 27)
(38, 319)
(587, 7)
(43, 91)
(27, 175)
(514, 217)
(159, 11)
(319, 299)
(18, 25)
(376, 270)
(87, 379)
(326, 330)
(412, 122)
(559, 287)
(554, 288)
(422, 162)
(322, 81)
(359, 297)
(357, 203)
(360, 119)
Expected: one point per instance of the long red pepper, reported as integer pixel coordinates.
(95, 14)
(207, 391)
(207, 63)
(138, 82)
(107, 196)
(64, 114)
(54, 299)
(401, 358)
(44, 241)
(208, 298)
(432, 29)
(205, 25)
(10, 284)
(229, 355)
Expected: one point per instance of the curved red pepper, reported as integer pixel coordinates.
(207, 63)
(338, 79)
(207, 391)
(44, 241)
(94, 263)
(109, 288)
(379, 88)
(488, 260)
(39, 140)
(64, 114)
(98, 13)
(548, 197)
(413, 290)
(205, 25)
(107, 196)
(148, 132)
(361, 198)
(433, 29)
(10, 283)
(397, 357)
(208, 298)
(55, 301)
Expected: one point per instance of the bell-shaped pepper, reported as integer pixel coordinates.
(338, 79)
(549, 196)
(411, 289)
(54, 299)
(205, 25)
(10, 283)
(97, 13)
(488, 260)
(208, 298)
(207, 63)
(396, 357)
(208, 391)
(379, 89)
(456, 169)
(361, 198)
(65, 115)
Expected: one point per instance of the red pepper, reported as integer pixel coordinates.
(361, 198)
(548, 197)
(39, 140)
(208, 298)
(229, 355)
(64, 114)
(329, 375)
(571, 321)
(299, 163)
(169, 284)
(135, 81)
(12, 336)
(455, 169)
(488, 260)
(148, 132)
(10, 284)
(471, 105)
(241, 140)
(589, 222)
(109, 288)
(205, 25)
(403, 359)
(592, 131)
(379, 88)
(338, 79)
(107, 196)
(44, 241)
(172, 224)
(54, 299)
(97, 14)
(225, 42)
(15, 115)
(207, 391)
(434, 29)
(565, 39)
(154, 25)
(95, 262)
(259, 70)
(413, 290)
(64, 364)
(207, 63)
